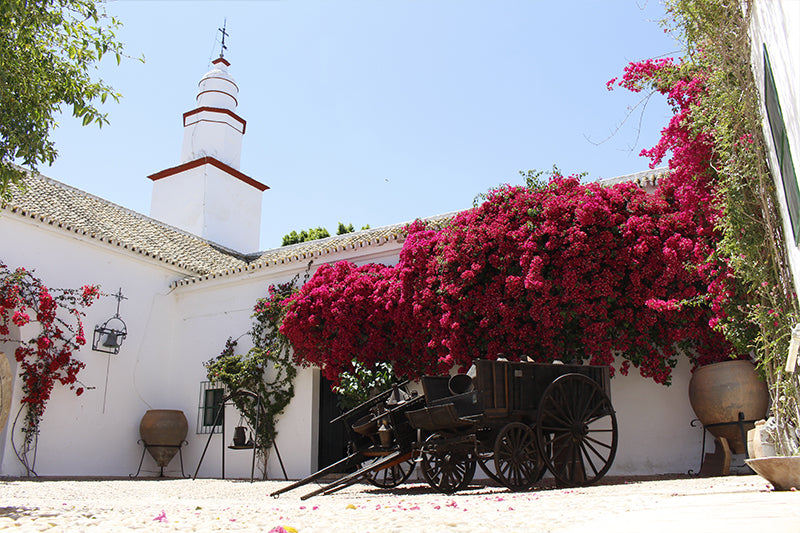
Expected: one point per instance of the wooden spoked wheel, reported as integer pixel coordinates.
(576, 430)
(447, 469)
(516, 457)
(393, 475)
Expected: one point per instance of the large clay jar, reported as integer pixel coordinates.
(719, 392)
(163, 431)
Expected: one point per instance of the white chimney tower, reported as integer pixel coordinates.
(206, 194)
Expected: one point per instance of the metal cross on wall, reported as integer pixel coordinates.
(119, 298)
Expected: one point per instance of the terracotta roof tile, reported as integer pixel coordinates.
(71, 209)
(306, 251)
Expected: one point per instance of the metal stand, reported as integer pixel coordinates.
(219, 417)
(740, 422)
(146, 446)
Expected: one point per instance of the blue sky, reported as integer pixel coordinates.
(376, 112)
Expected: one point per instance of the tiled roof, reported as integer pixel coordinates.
(647, 178)
(73, 210)
(70, 209)
(306, 251)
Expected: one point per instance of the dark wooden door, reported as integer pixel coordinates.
(332, 437)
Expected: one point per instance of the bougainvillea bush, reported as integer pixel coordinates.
(561, 271)
(694, 184)
(568, 271)
(47, 358)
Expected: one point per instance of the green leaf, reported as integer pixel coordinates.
(54, 50)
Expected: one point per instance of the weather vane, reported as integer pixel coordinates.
(224, 34)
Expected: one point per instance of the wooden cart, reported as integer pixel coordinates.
(516, 421)
(381, 443)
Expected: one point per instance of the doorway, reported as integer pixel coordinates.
(332, 437)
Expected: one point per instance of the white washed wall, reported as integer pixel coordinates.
(655, 436)
(171, 333)
(211, 311)
(90, 435)
(776, 24)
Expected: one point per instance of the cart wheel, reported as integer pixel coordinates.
(516, 457)
(446, 469)
(488, 471)
(391, 476)
(577, 423)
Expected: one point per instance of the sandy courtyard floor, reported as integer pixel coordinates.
(731, 504)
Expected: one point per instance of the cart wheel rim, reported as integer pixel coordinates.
(445, 469)
(516, 457)
(577, 423)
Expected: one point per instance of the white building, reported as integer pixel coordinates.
(191, 277)
(775, 59)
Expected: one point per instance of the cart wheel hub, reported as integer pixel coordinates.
(579, 431)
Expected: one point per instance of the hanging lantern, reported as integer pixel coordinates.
(109, 335)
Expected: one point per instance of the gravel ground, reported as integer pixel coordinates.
(737, 503)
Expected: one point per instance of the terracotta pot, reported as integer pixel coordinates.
(719, 392)
(163, 427)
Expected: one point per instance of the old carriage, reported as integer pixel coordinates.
(514, 420)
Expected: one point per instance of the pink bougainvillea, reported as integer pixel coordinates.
(571, 271)
(47, 358)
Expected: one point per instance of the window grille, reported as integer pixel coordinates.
(211, 395)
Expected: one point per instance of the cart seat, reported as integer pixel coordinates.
(437, 418)
(465, 404)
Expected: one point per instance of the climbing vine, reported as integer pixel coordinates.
(753, 241)
(47, 358)
(266, 369)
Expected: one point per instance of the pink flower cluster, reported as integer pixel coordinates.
(47, 358)
(568, 271)
(564, 271)
(692, 182)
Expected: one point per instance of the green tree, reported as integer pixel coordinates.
(47, 51)
(317, 233)
(310, 235)
(345, 229)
